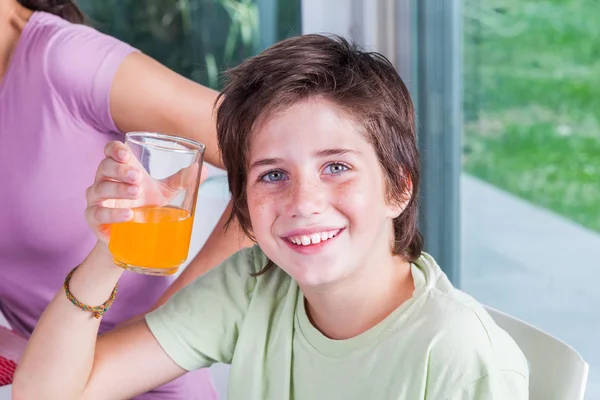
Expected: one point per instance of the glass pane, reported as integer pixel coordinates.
(197, 38)
(531, 181)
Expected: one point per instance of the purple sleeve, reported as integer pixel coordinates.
(80, 64)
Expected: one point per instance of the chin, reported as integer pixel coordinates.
(312, 282)
(314, 276)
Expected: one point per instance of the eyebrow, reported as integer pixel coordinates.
(265, 162)
(336, 152)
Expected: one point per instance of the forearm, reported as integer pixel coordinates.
(59, 356)
(146, 96)
(221, 244)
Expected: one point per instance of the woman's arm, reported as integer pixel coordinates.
(64, 359)
(146, 96)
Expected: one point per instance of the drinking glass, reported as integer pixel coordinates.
(157, 240)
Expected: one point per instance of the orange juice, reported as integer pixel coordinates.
(156, 241)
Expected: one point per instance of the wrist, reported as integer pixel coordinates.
(101, 258)
(95, 278)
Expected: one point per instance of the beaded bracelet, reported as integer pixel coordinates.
(98, 310)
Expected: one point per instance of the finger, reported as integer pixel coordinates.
(97, 215)
(117, 151)
(121, 153)
(111, 169)
(105, 190)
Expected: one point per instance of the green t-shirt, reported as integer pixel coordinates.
(440, 344)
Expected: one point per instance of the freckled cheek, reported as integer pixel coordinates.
(353, 196)
(262, 209)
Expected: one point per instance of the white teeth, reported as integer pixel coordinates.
(315, 238)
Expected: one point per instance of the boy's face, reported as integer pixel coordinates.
(316, 195)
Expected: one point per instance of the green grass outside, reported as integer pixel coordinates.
(532, 101)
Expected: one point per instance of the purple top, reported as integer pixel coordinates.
(54, 123)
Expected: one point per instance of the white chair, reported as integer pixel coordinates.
(556, 370)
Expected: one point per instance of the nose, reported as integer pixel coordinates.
(307, 197)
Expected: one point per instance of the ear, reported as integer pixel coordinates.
(398, 205)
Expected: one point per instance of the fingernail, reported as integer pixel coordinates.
(122, 155)
(133, 189)
(126, 215)
(133, 174)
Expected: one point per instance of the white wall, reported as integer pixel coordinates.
(353, 19)
(377, 25)
(333, 16)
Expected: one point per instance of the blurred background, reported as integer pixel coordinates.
(509, 127)
(197, 38)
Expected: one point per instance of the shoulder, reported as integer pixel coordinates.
(71, 39)
(210, 314)
(467, 352)
(460, 332)
(461, 323)
(79, 65)
(82, 56)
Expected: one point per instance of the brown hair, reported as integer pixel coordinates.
(66, 9)
(364, 85)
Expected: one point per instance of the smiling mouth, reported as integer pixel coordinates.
(315, 238)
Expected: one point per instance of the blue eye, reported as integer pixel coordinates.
(335, 168)
(273, 176)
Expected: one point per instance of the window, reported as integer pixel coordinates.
(531, 160)
(197, 38)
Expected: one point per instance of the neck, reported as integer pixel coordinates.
(363, 299)
(13, 18)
